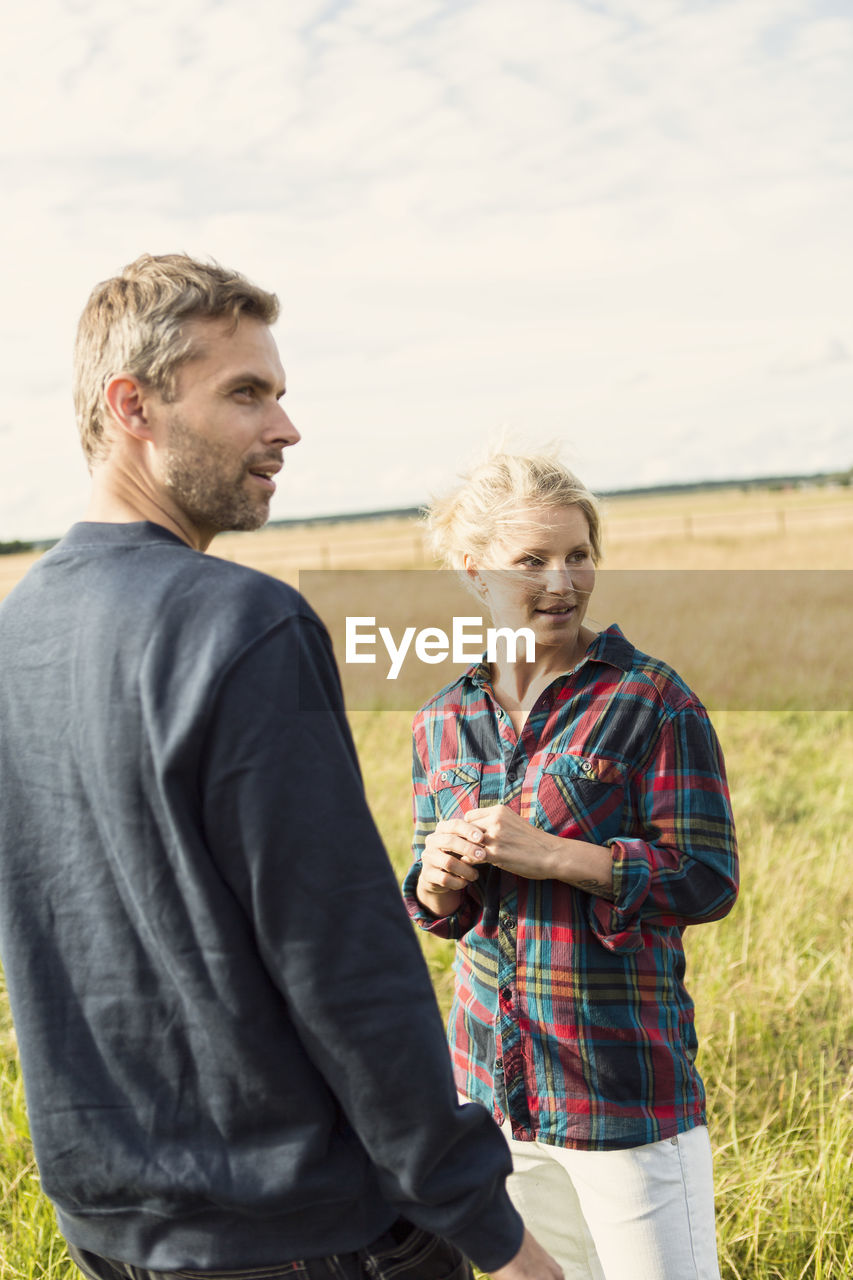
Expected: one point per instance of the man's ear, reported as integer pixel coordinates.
(127, 402)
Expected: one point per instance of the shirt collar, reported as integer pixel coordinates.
(608, 646)
(107, 533)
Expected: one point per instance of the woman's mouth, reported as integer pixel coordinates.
(556, 610)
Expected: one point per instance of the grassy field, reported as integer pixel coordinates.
(773, 983)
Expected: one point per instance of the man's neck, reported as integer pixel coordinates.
(117, 498)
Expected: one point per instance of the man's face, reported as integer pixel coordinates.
(222, 438)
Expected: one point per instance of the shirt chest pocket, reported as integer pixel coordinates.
(456, 788)
(583, 797)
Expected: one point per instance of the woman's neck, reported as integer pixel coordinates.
(517, 686)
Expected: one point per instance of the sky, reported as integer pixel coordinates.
(624, 227)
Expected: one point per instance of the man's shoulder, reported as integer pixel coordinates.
(153, 590)
(224, 606)
(219, 583)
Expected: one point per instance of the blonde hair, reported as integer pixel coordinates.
(134, 323)
(471, 517)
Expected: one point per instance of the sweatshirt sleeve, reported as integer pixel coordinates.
(284, 800)
(680, 866)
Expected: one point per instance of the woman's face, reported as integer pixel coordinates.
(540, 574)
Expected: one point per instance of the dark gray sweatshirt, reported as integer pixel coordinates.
(231, 1049)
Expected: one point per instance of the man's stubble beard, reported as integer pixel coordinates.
(208, 484)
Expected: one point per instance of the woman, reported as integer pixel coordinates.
(572, 817)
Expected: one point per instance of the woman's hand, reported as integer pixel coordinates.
(510, 842)
(507, 840)
(447, 865)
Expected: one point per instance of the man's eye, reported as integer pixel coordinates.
(248, 392)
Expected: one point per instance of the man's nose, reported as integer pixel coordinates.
(280, 429)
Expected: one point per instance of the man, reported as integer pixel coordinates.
(232, 1054)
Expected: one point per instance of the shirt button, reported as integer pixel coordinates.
(506, 994)
(444, 777)
(511, 776)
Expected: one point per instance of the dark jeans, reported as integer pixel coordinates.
(403, 1252)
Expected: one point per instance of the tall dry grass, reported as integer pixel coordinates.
(773, 982)
(773, 985)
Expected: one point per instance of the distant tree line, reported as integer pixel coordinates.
(12, 548)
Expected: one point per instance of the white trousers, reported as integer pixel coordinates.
(646, 1213)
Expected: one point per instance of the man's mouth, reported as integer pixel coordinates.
(264, 472)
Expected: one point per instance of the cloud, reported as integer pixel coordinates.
(475, 215)
(832, 352)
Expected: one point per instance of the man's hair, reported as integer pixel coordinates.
(135, 324)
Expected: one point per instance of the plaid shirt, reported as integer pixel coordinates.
(570, 1013)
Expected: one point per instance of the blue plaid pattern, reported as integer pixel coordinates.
(570, 1015)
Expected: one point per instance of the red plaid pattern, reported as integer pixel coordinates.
(570, 1014)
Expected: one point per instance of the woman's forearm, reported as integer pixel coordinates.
(510, 842)
(583, 865)
(439, 903)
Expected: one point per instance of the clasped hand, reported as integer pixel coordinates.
(496, 835)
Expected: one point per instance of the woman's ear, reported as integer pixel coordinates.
(474, 577)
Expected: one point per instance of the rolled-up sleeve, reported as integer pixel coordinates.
(679, 864)
(424, 815)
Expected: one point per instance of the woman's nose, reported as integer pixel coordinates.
(559, 578)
